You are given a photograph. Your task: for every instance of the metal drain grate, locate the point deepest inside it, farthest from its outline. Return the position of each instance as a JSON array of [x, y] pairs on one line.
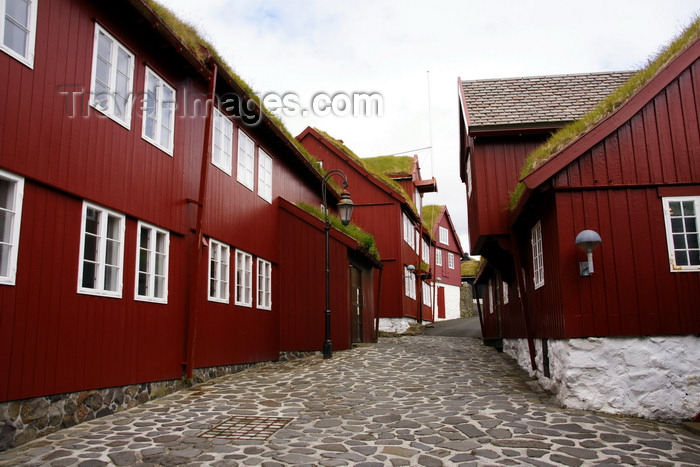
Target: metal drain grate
[[257, 428]]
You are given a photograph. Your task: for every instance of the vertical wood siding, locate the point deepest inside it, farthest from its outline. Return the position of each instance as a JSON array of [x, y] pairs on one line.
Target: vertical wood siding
[[613, 189]]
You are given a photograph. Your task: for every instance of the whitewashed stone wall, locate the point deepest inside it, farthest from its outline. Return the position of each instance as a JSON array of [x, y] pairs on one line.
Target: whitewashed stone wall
[[397, 325], [651, 377], [452, 302]]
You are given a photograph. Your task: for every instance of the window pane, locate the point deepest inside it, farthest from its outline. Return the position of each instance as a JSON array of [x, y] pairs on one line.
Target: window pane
[[16, 38], [5, 226], [111, 278], [143, 284], [112, 253], [691, 224], [681, 258], [688, 208], [677, 224], [89, 279], [675, 208], [113, 227], [692, 240], [18, 10], [159, 284], [679, 241], [91, 247], [694, 257]]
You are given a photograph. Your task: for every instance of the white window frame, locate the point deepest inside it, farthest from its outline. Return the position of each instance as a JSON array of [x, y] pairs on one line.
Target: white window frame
[[265, 175], [427, 296], [222, 142], [219, 267], [13, 213], [425, 252], [30, 28], [101, 251], [109, 108], [244, 279], [537, 256], [409, 283], [451, 260], [408, 231], [505, 292], [163, 113], [264, 288], [246, 160], [438, 257], [157, 263], [469, 176], [686, 233], [444, 235]]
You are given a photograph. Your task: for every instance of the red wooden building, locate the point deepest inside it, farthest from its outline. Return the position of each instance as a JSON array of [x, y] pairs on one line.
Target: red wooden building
[[446, 259], [617, 333], [146, 215], [387, 192]]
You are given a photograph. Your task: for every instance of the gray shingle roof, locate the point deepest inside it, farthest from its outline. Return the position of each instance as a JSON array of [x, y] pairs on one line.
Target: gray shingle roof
[[537, 99]]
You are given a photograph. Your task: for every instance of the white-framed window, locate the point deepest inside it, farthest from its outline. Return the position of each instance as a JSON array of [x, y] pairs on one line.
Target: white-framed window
[[219, 256], [11, 195], [101, 251], [427, 296], [265, 176], [425, 252], [158, 112], [246, 159], [112, 78], [18, 29], [264, 284], [537, 259], [409, 283], [223, 142], [451, 260], [682, 219], [244, 279], [152, 255], [492, 298], [469, 176], [444, 236], [408, 231], [438, 257], [505, 293]]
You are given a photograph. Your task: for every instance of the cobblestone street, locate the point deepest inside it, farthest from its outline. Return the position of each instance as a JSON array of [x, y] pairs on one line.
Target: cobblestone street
[[419, 401]]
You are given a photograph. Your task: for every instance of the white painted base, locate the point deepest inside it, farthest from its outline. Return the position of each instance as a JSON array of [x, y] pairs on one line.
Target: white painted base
[[452, 300], [397, 325], [651, 377]]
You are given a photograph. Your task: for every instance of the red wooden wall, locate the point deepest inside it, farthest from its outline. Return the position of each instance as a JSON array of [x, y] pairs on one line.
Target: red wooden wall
[[615, 188], [55, 340], [495, 168]]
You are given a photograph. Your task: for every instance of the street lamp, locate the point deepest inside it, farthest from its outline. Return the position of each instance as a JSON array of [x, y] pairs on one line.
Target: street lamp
[[345, 206]]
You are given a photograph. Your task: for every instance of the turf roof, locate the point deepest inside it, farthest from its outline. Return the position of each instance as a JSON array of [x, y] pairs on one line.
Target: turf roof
[[201, 48], [431, 213], [574, 130]]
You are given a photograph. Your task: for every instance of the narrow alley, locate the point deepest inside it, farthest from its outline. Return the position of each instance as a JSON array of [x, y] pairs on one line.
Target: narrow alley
[[419, 401]]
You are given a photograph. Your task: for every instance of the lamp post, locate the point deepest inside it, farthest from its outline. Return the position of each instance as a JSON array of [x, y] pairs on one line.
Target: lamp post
[[345, 206]]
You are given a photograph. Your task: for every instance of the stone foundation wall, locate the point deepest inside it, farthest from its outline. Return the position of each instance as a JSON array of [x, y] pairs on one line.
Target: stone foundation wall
[[395, 325], [22, 421], [466, 301], [651, 377]]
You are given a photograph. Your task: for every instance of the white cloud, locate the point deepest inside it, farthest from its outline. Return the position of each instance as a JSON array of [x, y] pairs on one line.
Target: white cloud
[[388, 47]]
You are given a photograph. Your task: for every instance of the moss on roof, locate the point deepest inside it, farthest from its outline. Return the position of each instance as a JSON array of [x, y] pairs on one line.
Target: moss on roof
[[430, 215], [194, 41], [574, 130], [364, 239], [383, 177], [471, 267], [391, 165]]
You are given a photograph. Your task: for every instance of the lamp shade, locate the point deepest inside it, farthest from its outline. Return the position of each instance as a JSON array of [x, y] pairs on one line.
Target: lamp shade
[[588, 239], [345, 207]]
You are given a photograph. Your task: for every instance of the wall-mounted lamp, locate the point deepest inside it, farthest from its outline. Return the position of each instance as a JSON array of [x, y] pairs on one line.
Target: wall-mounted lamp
[[587, 240], [410, 268]]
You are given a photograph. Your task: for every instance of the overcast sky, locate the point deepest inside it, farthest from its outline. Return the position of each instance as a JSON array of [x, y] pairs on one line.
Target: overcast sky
[[413, 52]]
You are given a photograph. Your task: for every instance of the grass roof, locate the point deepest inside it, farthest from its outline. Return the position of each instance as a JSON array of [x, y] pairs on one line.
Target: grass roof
[[364, 239], [430, 215], [391, 165], [200, 47], [574, 130], [364, 162], [471, 267]]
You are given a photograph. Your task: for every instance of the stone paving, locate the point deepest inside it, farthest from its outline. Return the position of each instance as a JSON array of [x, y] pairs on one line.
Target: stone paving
[[415, 401]]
